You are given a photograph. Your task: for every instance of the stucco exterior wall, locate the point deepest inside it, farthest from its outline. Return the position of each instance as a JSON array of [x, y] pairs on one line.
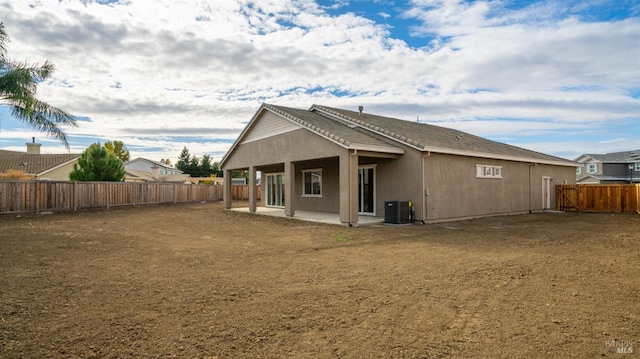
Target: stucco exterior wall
[[59, 174], [396, 179], [456, 192], [330, 200], [299, 145]]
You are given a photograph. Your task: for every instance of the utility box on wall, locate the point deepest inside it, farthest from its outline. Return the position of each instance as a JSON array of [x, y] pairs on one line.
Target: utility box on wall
[[397, 212]]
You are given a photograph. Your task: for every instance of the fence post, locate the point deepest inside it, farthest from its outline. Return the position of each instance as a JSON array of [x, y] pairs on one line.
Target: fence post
[[37, 197]]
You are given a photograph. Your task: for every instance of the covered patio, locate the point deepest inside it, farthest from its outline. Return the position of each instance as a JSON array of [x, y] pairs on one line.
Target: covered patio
[[310, 216]]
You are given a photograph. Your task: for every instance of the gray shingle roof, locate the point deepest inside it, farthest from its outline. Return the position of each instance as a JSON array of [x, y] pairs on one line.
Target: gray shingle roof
[[31, 163], [336, 131], [385, 134], [427, 137], [616, 157], [606, 178]]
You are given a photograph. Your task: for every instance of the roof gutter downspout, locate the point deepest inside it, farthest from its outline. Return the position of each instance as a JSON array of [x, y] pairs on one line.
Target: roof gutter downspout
[[530, 208], [353, 204], [425, 192]]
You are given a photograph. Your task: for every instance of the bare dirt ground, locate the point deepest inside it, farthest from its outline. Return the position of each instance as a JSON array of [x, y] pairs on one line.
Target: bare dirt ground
[[195, 281]]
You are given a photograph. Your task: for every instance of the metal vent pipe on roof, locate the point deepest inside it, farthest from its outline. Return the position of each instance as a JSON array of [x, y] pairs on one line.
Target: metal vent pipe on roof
[[360, 108]]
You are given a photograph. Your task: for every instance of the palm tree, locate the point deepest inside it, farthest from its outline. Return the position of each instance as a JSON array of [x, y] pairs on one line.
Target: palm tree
[[18, 83]]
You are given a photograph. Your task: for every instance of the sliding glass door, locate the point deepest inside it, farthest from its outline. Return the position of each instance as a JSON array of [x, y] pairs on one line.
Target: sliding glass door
[[367, 190], [275, 190]]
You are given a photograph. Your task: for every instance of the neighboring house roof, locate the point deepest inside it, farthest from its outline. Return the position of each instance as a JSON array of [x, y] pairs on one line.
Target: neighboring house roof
[[139, 176], [604, 178], [33, 164], [356, 130], [157, 164], [613, 157], [142, 176]]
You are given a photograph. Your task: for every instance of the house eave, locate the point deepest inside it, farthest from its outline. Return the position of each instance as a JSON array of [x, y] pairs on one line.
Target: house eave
[[376, 149], [450, 151]]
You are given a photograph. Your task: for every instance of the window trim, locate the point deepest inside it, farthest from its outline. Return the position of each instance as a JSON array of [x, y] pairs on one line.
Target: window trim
[[595, 168], [637, 167], [579, 170], [318, 171], [488, 171]]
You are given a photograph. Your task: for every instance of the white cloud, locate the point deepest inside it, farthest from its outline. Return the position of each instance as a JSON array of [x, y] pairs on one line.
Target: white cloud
[[143, 70]]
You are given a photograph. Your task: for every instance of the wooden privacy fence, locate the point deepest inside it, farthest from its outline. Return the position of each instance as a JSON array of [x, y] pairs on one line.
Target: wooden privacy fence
[[596, 197], [36, 196]]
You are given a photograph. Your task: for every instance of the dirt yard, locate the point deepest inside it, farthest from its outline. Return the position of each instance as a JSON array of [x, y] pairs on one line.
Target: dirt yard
[[195, 281]]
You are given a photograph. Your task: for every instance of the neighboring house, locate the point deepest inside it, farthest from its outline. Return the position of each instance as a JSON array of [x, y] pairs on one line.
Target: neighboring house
[[143, 176], [144, 170], [218, 181], [353, 163], [53, 167], [616, 167], [145, 165]]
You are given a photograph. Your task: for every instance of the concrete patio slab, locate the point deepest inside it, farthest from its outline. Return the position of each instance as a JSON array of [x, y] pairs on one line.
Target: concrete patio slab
[[310, 216]]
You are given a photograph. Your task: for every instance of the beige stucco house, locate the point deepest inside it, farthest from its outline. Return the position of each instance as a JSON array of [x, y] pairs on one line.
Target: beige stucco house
[[357, 164], [52, 167]]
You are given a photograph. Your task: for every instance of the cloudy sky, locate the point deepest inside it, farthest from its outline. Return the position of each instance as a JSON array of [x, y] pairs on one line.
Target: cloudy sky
[[558, 76]]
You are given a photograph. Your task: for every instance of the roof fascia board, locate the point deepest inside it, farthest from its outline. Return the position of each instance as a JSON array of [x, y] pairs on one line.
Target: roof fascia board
[[377, 154], [373, 148], [449, 151]]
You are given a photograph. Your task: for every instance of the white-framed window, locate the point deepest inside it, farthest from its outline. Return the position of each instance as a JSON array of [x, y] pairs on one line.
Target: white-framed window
[[592, 167], [312, 186], [578, 170], [637, 166], [486, 171]]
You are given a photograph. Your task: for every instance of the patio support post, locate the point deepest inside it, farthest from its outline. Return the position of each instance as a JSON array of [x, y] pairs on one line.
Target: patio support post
[[349, 188], [289, 188], [354, 189], [227, 189], [252, 189], [344, 188]]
